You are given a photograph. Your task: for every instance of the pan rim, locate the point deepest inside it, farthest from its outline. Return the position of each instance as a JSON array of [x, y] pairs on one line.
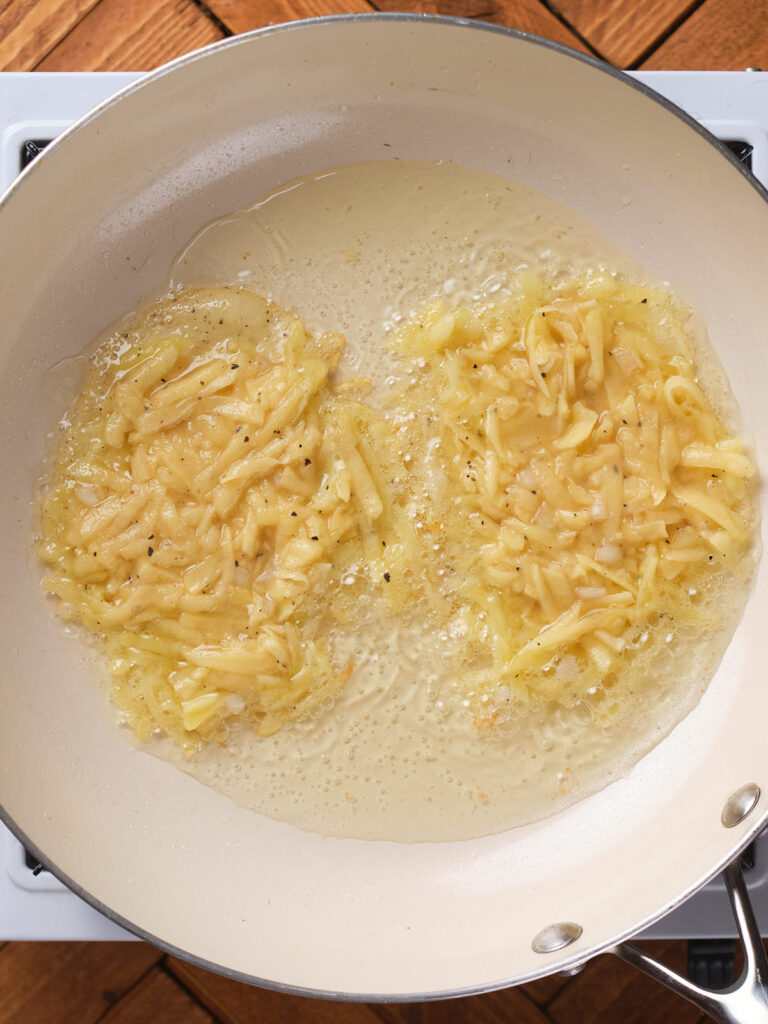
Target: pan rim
[[548, 968], [383, 16], [576, 960]]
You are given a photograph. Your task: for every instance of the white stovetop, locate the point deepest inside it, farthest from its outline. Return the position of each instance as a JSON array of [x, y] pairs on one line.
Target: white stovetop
[[732, 105]]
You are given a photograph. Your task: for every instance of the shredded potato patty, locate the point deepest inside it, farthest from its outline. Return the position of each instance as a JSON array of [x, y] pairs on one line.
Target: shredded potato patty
[[593, 496], [548, 483], [208, 482]]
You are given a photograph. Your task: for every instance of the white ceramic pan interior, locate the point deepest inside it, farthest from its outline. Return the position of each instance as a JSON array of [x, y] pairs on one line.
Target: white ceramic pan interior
[[92, 228]]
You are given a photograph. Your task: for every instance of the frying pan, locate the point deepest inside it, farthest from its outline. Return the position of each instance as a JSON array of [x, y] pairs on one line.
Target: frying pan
[[110, 204]]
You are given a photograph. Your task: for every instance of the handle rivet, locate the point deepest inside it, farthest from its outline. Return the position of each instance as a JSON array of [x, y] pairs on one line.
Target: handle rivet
[[556, 936], [740, 804]]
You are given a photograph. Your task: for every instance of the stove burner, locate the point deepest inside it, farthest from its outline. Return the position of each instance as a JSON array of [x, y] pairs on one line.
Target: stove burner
[[741, 150], [30, 149], [34, 147], [33, 863]]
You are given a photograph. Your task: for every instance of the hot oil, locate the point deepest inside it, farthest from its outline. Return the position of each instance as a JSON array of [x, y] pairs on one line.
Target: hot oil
[[361, 248], [399, 755], [402, 754]]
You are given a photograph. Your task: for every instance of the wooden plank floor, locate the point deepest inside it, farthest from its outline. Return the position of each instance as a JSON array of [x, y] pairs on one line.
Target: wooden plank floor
[[132, 983], [121, 983]]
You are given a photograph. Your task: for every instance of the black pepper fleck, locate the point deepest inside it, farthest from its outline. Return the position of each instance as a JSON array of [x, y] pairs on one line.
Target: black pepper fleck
[[150, 551], [387, 577]]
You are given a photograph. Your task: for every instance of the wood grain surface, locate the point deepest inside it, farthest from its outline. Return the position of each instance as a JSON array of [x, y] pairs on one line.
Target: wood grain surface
[[157, 999], [526, 15], [136, 35], [29, 29], [720, 35], [235, 1003], [132, 983], [623, 33], [48, 983], [244, 15], [132, 34]]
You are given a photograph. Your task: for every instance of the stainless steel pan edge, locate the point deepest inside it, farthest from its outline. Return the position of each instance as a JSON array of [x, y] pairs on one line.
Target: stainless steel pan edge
[[560, 961]]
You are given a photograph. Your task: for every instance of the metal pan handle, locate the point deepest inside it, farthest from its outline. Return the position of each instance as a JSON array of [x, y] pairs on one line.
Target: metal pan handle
[[746, 1001]]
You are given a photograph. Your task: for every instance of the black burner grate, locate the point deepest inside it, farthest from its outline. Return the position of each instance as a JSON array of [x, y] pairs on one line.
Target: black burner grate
[[33, 863], [30, 149], [741, 150]]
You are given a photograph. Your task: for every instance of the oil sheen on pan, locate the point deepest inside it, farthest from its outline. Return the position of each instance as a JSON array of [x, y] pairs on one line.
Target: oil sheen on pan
[[428, 506]]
